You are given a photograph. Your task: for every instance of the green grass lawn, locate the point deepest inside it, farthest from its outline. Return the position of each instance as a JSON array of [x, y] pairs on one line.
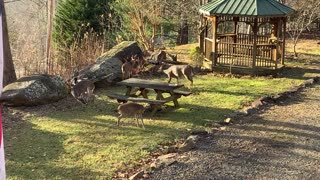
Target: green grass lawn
[[84, 141]]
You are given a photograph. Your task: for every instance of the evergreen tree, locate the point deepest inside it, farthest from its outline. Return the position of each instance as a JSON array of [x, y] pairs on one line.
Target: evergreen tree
[[75, 18]]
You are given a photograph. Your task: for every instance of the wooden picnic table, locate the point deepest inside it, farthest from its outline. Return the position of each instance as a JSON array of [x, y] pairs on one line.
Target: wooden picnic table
[[139, 87]]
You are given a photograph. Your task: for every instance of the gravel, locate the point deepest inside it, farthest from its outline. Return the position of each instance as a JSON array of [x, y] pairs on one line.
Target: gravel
[[280, 142]]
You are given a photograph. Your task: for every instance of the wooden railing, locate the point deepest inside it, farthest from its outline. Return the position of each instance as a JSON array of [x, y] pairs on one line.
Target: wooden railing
[[248, 39], [242, 54]]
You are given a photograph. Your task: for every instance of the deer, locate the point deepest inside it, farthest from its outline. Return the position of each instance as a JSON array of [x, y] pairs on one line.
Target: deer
[[179, 71], [137, 64], [126, 70], [134, 66], [131, 109], [83, 90]]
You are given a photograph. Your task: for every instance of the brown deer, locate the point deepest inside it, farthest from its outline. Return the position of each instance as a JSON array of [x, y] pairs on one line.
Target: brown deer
[[131, 109], [138, 64], [132, 67], [126, 70], [83, 90], [178, 71]]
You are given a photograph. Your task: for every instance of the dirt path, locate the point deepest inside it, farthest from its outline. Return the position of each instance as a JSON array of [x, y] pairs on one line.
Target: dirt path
[[282, 142]]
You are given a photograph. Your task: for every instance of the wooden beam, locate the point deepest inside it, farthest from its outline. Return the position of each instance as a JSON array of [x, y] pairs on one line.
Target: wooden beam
[[254, 50], [284, 40], [214, 41]]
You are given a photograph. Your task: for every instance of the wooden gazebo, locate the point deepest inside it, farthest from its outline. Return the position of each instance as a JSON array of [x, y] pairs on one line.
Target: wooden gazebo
[[244, 35]]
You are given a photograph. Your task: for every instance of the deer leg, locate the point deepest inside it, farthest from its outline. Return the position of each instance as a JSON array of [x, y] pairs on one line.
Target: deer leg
[[137, 120], [83, 99], [119, 118], [169, 79], [142, 121], [190, 79]]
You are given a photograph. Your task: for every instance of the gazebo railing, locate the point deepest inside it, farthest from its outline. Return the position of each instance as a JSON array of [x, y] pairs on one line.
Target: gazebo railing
[[237, 54], [248, 38], [242, 38], [242, 54]]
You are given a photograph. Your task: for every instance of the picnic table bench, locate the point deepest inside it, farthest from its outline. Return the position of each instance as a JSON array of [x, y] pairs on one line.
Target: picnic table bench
[[141, 87]]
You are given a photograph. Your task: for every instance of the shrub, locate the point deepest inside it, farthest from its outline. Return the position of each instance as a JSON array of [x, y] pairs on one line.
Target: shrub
[[196, 57]]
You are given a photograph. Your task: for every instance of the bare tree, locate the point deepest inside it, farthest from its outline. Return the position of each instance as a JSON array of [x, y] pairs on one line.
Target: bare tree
[[27, 22], [49, 34], [306, 13], [186, 17], [139, 16]]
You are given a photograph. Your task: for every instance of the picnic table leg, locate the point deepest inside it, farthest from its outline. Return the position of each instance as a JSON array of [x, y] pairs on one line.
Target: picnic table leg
[[159, 95], [175, 99], [154, 108], [144, 93], [129, 88]]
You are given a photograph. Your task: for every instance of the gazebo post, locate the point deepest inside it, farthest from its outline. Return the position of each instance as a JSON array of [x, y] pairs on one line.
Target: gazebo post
[[235, 36], [214, 41], [235, 19], [275, 39], [283, 39], [202, 34], [254, 48]]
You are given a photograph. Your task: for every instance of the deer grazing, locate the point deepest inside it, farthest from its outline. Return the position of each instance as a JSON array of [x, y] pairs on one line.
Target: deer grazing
[[131, 109], [179, 71], [82, 90]]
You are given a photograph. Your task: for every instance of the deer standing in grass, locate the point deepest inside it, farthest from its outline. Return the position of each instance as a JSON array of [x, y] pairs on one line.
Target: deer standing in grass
[[83, 90], [179, 71], [131, 109]]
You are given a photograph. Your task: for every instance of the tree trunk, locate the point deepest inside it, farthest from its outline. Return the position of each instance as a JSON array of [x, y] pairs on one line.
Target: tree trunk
[[49, 35], [294, 49], [183, 32], [9, 74]]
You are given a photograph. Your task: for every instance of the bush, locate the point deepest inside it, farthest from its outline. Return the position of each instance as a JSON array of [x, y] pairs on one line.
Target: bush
[[196, 57]]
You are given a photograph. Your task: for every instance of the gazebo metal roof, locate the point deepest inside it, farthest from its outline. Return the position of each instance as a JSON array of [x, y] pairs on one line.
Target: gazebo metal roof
[[260, 8]]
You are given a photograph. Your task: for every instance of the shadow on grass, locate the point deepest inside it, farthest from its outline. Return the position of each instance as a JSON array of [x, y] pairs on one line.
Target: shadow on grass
[[299, 73], [30, 154], [194, 114]]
